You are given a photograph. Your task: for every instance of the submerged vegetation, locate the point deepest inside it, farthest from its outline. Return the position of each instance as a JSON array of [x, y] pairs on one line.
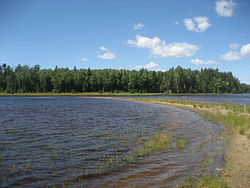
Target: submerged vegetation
[[25, 79], [159, 142]]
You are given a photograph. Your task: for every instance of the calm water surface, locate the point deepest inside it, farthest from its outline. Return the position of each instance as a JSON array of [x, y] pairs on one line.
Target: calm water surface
[[46, 141]]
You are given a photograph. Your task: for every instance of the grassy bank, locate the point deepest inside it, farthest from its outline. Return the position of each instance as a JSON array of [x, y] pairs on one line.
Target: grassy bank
[[77, 94], [106, 93], [237, 120]]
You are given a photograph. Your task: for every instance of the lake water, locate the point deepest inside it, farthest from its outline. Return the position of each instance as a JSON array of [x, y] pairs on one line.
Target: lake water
[[240, 99], [46, 141]]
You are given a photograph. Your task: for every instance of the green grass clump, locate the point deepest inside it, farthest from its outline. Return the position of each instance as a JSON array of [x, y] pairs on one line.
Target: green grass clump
[[206, 162], [159, 142], [129, 159], [108, 161], [138, 152], [181, 144], [189, 181], [211, 182], [204, 182], [248, 136], [242, 130]]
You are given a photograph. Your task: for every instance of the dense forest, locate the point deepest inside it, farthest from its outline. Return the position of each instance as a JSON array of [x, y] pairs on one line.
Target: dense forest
[[176, 80]]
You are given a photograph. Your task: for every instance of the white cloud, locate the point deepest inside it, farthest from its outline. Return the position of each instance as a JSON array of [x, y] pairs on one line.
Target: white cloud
[[103, 48], [182, 49], [245, 50], [231, 56], [161, 49], [107, 55], [201, 62], [144, 42], [176, 23], [84, 59], [138, 26], [225, 7], [234, 46], [235, 55], [150, 65], [197, 24]]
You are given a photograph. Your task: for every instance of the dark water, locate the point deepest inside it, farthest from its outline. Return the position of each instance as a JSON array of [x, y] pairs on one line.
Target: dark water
[[47, 141], [241, 99]]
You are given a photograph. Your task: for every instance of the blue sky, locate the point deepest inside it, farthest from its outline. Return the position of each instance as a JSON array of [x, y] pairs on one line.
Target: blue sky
[[131, 34]]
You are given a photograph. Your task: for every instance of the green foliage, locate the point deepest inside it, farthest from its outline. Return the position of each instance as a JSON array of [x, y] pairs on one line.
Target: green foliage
[[211, 182], [138, 152], [181, 144], [63, 80], [204, 182], [128, 159], [108, 161], [206, 162], [189, 181], [242, 130], [159, 142]]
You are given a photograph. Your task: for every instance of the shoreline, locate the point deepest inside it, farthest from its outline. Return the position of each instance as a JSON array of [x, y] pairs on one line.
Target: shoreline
[[236, 173], [112, 94]]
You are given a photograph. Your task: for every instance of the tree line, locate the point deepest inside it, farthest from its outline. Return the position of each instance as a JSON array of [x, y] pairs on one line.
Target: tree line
[[176, 80]]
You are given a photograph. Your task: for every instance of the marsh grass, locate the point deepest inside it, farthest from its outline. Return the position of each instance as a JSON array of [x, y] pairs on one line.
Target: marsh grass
[[242, 130], [181, 144], [108, 161], [206, 181], [159, 142], [129, 159], [188, 182], [211, 182], [206, 162]]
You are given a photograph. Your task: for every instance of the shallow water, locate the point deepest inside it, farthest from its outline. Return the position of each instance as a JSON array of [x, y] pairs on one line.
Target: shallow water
[[47, 141]]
